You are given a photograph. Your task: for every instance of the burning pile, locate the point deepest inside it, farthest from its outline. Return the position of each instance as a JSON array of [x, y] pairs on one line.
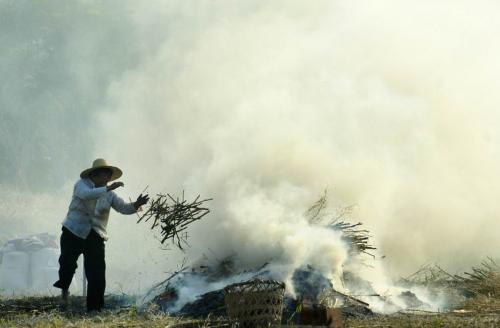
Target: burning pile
[[314, 293], [310, 288], [198, 291]]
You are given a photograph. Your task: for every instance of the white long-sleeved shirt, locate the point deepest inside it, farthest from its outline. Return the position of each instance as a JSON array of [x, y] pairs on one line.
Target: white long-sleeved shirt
[[89, 209]]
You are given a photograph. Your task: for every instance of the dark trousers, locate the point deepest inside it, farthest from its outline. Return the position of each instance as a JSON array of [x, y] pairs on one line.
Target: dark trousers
[[92, 249]]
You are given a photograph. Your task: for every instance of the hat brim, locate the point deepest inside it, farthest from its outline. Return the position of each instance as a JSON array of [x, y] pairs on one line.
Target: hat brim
[[116, 172]]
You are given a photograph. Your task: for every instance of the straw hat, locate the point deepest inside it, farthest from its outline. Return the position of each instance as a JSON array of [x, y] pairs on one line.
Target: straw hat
[[101, 164]]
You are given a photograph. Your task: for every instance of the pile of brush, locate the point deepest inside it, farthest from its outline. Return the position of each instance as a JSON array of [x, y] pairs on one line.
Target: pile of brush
[[357, 238], [482, 283], [482, 280], [477, 289], [430, 276]]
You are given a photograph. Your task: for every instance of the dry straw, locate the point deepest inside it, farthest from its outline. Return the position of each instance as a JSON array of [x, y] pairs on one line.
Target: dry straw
[[173, 216]]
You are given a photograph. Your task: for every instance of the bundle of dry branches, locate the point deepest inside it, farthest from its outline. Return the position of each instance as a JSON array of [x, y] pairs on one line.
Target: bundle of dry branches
[[430, 275], [173, 216], [482, 280], [358, 239]]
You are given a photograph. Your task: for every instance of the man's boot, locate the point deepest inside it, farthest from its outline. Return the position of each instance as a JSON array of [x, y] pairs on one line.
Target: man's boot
[[64, 299]]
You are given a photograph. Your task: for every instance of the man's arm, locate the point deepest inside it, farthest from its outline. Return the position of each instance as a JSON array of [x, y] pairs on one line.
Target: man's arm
[[121, 206], [85, 192]]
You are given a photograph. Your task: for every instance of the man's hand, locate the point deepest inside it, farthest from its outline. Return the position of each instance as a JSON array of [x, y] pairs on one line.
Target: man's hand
[[115, 185], [141, 200]]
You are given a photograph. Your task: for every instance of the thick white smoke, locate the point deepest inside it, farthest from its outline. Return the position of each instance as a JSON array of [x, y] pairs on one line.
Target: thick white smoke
[[262, 105], [391, 105]]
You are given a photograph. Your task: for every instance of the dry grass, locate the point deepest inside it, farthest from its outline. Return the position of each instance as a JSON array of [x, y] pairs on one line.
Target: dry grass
[[43, 312], [56, 319], [482, 310], [483, 304], [109, 318], [420, 321], [483, 280], [131, 319]]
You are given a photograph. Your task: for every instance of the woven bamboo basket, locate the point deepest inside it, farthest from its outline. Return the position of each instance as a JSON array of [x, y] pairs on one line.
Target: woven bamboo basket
[[255, 303]]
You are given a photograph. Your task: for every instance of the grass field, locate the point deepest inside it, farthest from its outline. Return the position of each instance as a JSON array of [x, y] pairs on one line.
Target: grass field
[[482, 310], [43, 312], [131, 319]]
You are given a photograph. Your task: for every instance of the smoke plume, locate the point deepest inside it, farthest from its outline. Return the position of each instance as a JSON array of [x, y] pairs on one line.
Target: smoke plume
[[390, 105]]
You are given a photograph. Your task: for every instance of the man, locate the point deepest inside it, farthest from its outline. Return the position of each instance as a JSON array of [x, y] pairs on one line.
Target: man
[[84, 229]]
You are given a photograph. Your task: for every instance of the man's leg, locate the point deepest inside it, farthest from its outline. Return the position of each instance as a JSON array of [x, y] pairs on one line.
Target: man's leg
[[95, 269], [71, 248]]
